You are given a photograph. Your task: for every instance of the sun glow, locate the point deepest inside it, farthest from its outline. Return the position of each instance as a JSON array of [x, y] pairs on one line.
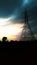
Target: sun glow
[[11, 31]]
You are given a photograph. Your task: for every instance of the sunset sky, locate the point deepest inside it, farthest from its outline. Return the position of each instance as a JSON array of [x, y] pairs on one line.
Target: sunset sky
[[10, 30], [12, 17]]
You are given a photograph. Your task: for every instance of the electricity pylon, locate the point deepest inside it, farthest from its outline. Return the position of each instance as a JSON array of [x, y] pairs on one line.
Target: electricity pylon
[[27, 33]]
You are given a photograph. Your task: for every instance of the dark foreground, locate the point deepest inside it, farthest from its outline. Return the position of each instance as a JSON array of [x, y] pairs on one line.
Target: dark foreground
[[21, 52], [20, 44]]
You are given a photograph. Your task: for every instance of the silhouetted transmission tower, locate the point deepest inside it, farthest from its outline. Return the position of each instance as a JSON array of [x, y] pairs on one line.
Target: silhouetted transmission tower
[[27, 33]]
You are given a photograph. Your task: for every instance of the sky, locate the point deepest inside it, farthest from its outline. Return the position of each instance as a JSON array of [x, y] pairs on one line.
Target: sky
[[11, 11]]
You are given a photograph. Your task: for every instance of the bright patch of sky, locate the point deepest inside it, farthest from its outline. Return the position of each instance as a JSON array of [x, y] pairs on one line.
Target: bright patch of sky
[[26, 3]]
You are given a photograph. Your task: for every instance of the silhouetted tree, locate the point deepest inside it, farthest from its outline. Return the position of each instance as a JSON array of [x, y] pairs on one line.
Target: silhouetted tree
[[4, 39]]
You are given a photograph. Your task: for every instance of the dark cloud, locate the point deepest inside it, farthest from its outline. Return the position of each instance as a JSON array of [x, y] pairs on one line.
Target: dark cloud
[[33, 18], [7, 7]]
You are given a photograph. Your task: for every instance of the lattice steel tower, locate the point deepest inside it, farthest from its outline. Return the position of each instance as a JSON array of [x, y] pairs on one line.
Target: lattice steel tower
[[27, 33]]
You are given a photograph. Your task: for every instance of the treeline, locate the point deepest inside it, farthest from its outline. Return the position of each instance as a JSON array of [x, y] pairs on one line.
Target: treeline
[[6, 42]]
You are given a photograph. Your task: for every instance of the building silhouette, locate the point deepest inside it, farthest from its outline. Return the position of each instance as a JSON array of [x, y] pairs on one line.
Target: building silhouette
[[27, 33]]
